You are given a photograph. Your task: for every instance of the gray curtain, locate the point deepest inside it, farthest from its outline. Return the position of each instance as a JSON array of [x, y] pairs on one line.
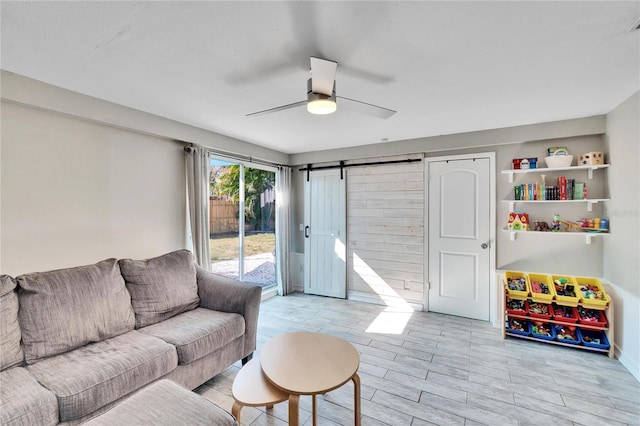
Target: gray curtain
[[197, 169], [283, 227]]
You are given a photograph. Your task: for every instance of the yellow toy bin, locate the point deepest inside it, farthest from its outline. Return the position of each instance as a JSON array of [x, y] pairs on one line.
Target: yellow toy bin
[[593, 296], [562, 281], [539, 296], [517, 285]]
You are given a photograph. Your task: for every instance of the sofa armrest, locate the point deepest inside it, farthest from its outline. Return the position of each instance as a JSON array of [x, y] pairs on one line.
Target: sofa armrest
[[224, 294]]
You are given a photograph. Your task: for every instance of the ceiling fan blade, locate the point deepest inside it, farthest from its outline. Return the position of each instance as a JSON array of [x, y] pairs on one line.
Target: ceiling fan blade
[[365, 108], [276, 109], [323, 76]]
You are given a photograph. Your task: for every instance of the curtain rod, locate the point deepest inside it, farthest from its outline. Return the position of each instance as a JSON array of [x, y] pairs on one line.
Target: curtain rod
[[342, 165], [233, 157]]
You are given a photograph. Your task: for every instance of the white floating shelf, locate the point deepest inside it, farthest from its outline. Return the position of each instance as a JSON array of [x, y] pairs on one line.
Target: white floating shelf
[[589, 170], [588, 236], [590, 202]]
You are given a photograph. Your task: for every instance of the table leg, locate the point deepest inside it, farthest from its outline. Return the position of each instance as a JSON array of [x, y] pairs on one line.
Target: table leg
[[235, 410], [294, 410], [356, 398], [313, 410]]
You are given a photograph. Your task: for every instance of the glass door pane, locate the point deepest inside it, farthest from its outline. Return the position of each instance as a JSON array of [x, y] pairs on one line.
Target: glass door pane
[[259, 226], [224, 210], [244, 251]]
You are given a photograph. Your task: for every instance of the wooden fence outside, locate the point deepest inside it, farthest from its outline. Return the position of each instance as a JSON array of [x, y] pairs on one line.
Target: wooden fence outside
[[223, 216]]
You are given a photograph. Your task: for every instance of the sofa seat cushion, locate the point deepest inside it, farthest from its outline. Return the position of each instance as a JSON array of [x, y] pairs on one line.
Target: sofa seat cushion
[[197, 333], [68, 308], [90, 377], [11, 353], [23, 401], [161, 287]]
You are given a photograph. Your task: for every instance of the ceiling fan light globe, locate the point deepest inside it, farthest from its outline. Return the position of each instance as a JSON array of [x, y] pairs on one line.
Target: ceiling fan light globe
[[321, 106]]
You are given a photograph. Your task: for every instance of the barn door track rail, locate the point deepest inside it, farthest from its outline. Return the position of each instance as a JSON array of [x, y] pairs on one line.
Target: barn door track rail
[[309, 168]]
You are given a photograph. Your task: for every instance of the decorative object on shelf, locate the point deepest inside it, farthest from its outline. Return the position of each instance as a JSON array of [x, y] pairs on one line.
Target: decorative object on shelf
[[525, 163], [518, 221], [558, 157], [591, 158], [540, 225], [555, 224], [595, 224], [572, 226]]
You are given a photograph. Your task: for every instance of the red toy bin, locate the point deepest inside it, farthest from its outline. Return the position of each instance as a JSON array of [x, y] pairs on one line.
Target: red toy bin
[[592, 317], [513, 310], [565, 314], [540, 310]]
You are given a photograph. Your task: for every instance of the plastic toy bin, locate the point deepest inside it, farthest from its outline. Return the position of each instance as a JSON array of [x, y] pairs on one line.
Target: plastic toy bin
[[567, 334], [593, 339], [512, 326], [540, 310], [592, 317], [517, 285], [542, 330], [565, 314], [562, 284], [591, 293], [513, 307], [537, 284]]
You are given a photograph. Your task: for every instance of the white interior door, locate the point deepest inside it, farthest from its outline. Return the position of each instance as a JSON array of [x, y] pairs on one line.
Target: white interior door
[[459, 237], [325, 249]]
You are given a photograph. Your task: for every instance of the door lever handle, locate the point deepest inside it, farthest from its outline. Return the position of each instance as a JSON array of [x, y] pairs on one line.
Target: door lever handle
[[306, 231]]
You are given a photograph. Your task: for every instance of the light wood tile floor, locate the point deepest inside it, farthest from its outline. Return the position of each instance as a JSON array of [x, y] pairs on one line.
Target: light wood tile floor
[[443, 370]]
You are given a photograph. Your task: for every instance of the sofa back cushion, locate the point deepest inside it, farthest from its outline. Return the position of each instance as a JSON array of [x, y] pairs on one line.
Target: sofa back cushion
[[68, 308], [11, 352], [161, 287]]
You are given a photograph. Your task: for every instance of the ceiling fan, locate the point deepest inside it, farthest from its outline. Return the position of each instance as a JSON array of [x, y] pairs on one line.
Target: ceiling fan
[[321, 94]]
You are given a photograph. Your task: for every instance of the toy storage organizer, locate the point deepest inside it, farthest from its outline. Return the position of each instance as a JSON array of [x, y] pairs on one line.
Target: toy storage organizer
[[539, 307]]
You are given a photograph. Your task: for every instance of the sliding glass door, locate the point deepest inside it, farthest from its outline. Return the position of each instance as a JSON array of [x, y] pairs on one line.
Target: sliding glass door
[[242, 221]]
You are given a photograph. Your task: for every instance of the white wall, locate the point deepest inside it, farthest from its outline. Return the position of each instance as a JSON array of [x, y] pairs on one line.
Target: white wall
[[76, 192], [385, 237], [83, 179], [622, 248]]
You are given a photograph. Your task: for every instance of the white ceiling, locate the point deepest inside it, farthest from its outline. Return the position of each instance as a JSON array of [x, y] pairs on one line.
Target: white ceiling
[[446, 67]]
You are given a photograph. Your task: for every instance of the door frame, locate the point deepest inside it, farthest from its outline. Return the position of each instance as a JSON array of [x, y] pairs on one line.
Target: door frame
[[494, 317]]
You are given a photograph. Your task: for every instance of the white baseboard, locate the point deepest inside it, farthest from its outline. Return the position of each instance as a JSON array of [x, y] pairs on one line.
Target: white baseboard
[[359, 296]]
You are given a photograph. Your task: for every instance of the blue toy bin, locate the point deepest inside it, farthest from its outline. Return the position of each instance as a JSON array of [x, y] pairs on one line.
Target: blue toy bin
[[527, 326], [593, 334], [558, 330], [551, 328]]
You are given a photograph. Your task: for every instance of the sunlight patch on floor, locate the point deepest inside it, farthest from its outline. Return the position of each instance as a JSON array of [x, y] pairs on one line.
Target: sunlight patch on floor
[[396, 315]]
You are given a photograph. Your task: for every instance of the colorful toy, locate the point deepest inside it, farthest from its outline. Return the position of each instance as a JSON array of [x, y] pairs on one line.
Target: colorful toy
[[539, 308], [566, 332], [555, 224], [541, 226], [541, 329], [518, 221], [592, 292], [517, 284], [563, 288], [538, 287], [515, 305]]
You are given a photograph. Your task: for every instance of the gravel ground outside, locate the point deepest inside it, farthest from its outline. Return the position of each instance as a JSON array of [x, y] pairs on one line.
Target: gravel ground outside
[[258, 269]]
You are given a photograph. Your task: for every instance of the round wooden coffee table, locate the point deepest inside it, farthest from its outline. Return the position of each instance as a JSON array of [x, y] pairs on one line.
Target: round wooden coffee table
[[304, 363]]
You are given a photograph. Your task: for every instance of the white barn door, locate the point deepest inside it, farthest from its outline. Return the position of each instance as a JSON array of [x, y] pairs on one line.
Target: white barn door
[[325, 234], [459, 241]]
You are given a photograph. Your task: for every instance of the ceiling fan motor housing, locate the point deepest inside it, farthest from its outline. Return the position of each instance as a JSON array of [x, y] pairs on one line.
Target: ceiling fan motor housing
[[319, 103]]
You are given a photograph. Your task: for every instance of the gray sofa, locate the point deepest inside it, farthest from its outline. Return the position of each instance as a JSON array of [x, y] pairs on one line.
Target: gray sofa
[[75, 342]]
